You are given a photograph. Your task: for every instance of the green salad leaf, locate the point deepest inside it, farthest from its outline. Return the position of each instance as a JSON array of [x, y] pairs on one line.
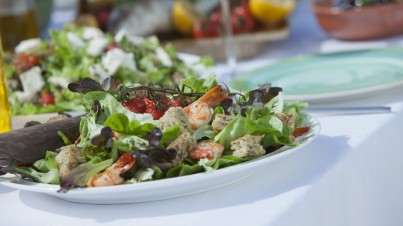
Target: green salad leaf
[[43, 171]]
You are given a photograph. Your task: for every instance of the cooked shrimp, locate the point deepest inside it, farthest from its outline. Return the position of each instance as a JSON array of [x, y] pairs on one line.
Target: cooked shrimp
[[200, 112], [208, 150], [112, 175]]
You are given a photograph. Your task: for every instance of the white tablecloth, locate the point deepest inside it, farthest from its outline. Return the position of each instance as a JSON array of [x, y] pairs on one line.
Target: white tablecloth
[[350, 175]]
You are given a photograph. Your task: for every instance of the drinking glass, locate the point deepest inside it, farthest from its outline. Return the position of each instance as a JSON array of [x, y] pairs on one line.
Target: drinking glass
[[17, 22], [5, 114], [230, 67]]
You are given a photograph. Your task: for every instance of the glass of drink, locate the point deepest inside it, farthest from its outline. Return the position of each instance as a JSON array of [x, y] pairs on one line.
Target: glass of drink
[[228, 35], [17, 22], [5, 113]]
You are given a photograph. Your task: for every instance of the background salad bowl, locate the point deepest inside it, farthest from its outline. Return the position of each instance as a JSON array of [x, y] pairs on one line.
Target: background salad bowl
[[166, 188], [359, 23]]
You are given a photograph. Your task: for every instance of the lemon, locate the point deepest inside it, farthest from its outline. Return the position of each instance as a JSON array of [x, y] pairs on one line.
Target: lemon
[[271, 11], [184, 16]]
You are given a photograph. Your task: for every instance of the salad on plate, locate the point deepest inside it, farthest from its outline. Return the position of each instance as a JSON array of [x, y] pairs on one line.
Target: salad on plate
[[136, 133], [39, 71]]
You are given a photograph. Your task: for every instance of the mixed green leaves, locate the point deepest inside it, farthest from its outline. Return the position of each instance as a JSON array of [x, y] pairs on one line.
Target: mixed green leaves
[[43, 171], [66, 58]]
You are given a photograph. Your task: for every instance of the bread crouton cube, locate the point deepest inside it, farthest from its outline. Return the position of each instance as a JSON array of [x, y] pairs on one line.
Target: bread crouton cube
[[247, 145], [288, 119], [183, 145], [220, 121], [174, 116], [68, 159]]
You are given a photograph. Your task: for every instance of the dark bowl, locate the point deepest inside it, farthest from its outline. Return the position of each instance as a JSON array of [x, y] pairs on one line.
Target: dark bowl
[[359, 23]]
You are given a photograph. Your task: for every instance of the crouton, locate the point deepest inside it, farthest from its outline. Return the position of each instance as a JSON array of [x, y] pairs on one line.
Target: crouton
[[174, 116], [220, 121], [183, 145], [247, 145], [288, 119], [68, 159]]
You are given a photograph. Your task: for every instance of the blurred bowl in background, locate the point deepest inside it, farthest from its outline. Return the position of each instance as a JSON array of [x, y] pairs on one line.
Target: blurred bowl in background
[[359, 23]]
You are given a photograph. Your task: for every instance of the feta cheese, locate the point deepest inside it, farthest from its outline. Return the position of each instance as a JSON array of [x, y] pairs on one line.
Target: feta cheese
[[58, 81], [98, 71], [75, 40], [116, 58], [32, 80], [143, 175], [27, 44], [97, 46], [92, 33], [23, 97], [163, 57], [122, 33]]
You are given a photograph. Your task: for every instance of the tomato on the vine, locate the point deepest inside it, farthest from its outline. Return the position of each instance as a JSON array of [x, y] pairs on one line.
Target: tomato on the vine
[[150, 105], [177, 102], [157, 114], [136, 105]]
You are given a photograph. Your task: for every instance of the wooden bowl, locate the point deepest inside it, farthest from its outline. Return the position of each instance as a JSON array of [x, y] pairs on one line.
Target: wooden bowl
[[246, 45], [359, 23]]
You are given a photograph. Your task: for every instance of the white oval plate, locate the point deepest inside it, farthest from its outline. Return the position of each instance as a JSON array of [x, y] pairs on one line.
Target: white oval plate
[[166, 188]]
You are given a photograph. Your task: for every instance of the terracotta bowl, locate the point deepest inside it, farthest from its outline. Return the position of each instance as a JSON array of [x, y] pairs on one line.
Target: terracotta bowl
[[360, 23]]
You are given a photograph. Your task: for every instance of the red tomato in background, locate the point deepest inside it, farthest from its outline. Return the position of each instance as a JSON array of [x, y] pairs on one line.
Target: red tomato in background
[[206, 28], [136, 105], [47, 98], [241, 19]]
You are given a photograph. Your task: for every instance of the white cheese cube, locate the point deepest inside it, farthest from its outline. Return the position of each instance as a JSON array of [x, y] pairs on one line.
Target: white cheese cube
[[98, 71], [97, 46], [164, 57], [116, 58], [58, 81], [27, 44], [91, 33], [32, 80]]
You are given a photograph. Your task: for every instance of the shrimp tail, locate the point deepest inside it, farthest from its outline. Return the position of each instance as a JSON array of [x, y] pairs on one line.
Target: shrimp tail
[[213, 97], [125, 162]]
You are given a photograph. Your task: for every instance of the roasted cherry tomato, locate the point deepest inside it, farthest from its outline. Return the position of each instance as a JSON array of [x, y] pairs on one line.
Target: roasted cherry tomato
[[25, 61], [150, 105], [136, 105], [157, 114], [177, 102], [47, 98]]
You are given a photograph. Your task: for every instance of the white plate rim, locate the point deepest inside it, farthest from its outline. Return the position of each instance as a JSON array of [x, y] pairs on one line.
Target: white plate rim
[[250, 166]]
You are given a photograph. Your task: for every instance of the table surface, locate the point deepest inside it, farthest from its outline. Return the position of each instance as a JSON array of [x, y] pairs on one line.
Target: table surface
[[349, 175]]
